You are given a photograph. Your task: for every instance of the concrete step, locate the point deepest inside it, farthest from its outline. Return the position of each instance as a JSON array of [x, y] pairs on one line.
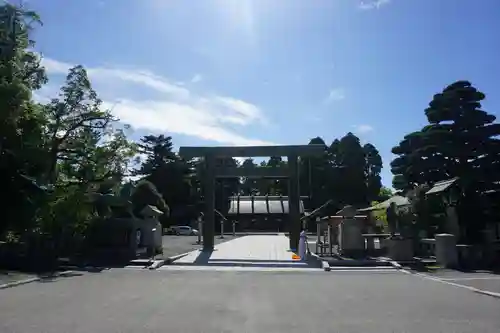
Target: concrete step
[[141, 262], [358, 263], [361, 268], [250, 263], [239, 269]]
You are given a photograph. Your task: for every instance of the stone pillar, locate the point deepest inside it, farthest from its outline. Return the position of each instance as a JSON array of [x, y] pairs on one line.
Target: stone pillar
[[370, 244], [351, 238], [209, 182], [294, 201], [452, 225], [446, 250], [132, 243]]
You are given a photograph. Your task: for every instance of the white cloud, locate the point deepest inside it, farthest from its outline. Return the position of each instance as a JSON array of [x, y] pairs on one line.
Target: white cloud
[[179, 110], [363, 129], [373, 4], [196, 78], [336, 94], [142, 77]]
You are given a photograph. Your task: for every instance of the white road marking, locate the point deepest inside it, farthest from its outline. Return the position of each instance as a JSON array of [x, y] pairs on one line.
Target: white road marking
[[472, 278], [432, 278]]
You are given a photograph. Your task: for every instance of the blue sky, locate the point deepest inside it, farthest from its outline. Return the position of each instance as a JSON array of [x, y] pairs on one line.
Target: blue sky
[[242, 72]]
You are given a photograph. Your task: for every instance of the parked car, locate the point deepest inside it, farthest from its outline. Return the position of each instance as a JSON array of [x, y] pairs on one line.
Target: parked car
[[182, 230]]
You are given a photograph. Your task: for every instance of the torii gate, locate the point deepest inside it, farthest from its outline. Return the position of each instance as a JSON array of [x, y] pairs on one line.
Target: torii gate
[[210, 154]]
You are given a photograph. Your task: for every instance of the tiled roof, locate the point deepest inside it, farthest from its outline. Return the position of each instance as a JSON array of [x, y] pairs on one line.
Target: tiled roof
[[260, 205]]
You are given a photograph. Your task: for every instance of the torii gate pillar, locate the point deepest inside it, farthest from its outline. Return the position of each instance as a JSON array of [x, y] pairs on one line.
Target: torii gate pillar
[[211, 173]]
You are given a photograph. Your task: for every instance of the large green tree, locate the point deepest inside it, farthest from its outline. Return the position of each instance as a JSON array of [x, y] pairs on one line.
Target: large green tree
[[226, 187], [315, 176], [353, 177], [20, 120], [81, 142], [460, 141], [373, 168], [272, 186], [249, 185], [167, 171], [84, 147]]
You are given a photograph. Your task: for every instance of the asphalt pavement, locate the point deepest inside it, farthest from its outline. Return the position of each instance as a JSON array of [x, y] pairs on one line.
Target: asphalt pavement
[[13, 276], [174, 245], [121, 300], [483, 280]]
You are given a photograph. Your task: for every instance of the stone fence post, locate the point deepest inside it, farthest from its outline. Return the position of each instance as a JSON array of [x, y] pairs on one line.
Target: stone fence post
[[446, 250]]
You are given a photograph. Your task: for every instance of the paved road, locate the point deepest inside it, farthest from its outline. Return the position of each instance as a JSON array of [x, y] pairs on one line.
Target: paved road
[[482, 280], [121, 300], [174, 245], [12, 276]]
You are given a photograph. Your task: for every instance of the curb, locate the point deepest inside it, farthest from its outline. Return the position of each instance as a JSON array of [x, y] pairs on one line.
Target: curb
[[396, 265], [38, 278], [324, 264], [158, 263]]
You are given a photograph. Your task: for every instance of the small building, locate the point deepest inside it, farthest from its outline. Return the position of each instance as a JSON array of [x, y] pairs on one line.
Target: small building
[[261, 213]]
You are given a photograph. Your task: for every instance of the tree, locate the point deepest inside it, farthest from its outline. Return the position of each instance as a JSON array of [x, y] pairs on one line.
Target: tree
[[76, 127], [170, 174], [82, 149], [314, 173], [145, 193], [384, 194], [373, 167], [158, 151], [352, 180], [460, 141], [335, 176], [20, 71], [249, 184], [20, 120], [272, 186], [225, 187]]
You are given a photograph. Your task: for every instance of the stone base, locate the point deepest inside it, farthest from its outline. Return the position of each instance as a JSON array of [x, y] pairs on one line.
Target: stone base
[[400, 249]]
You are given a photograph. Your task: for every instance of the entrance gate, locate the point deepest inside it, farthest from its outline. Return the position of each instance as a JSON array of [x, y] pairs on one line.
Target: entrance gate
[[211, 172]]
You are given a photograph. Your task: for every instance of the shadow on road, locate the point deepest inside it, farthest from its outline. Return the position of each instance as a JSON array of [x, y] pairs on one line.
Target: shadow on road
[[57, 277], [204, 259]]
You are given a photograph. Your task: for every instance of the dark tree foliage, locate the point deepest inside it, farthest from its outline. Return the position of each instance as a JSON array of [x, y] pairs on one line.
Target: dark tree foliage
[[145, 193], [167, 171], [347, 173], [461, 141]]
